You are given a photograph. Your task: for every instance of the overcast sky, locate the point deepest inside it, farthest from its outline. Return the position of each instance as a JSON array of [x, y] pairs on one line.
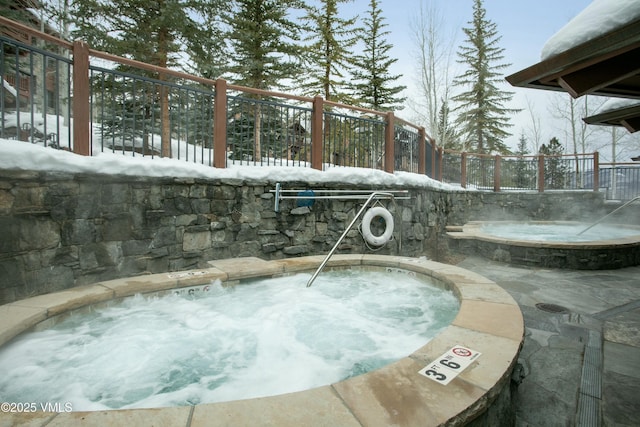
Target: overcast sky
[[525, 26]]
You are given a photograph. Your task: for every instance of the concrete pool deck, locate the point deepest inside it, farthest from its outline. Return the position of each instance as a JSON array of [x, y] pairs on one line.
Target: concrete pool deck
[[489, 321], [579, 367]]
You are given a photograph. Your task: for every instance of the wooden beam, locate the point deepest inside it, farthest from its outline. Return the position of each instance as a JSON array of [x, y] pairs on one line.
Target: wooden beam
[[220, 125], [626, 116], [80, 101], [389, 144], [422, 151], [631, 124], [317, 128], [602, 74], [546, 74]]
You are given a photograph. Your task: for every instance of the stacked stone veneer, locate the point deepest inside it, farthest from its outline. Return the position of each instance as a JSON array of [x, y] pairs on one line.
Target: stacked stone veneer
[[63, 230]]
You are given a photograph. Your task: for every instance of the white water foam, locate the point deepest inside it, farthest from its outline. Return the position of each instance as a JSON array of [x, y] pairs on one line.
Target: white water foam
[[265, 338]]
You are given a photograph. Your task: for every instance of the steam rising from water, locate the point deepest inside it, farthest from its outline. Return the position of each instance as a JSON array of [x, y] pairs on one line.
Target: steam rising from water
[[269, 337], [557, 232]]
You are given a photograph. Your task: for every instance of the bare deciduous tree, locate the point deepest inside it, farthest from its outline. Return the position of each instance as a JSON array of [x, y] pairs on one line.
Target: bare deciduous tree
[[534, 133], [579, 136], [615, 144], [433, 50]]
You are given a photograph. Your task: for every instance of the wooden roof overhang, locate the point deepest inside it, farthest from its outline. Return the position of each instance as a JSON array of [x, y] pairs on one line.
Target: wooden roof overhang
[[628, 117], [608, 65]]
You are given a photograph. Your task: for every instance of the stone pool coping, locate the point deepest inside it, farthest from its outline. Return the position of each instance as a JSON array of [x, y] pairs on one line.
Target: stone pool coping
[[489, 321]]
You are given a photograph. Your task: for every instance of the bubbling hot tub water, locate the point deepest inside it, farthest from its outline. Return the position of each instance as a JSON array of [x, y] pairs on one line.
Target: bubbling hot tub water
[[555, 244], [269, 337], [556, 232]]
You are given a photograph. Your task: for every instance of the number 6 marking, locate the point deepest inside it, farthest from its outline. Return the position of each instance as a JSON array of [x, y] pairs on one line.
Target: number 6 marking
[[451, 365]]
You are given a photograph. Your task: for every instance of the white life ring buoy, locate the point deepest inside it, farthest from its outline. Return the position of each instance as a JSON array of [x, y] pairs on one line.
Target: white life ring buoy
[[366, 226]]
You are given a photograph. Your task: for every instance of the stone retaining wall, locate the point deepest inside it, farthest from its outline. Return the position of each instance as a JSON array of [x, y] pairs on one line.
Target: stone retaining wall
[[65, 230]]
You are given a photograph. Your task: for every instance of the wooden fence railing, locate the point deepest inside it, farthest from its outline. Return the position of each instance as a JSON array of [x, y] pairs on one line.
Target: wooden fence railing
[[391, 156], [148, 109]]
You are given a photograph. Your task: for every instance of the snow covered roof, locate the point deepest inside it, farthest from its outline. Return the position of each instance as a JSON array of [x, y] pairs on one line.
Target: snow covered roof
[[600, 17], [608, 65], [596, 53], [618, 112]]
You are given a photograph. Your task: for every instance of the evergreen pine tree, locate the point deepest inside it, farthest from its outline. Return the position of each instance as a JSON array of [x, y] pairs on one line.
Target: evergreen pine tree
[[159, 33], [153, 32], [524, 176], [482, 115], [373, 85], [264, 55], [205, 39], [522, 146], [555, 169], [446, 134], [328, 53], [265, 49], [27, 67], [21, 11]]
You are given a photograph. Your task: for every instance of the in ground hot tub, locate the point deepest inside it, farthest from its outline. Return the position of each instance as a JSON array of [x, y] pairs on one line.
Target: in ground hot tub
[[426, 386], [550, 244]]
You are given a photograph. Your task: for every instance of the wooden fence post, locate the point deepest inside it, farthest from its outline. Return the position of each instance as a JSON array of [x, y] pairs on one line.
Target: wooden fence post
[[81, 108], [422, 151], [596, 171], [434, 165], [463, 169], [440, 152], [541, 173], [220, 125], [317, 121], [389, 144], [496, 173]]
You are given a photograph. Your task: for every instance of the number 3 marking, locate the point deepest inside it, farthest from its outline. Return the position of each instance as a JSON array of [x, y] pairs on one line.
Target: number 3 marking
[[438, 376]]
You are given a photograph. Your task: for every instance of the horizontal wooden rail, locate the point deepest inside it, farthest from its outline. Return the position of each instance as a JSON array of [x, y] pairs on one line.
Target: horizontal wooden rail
[[35, 33], [82, 55]]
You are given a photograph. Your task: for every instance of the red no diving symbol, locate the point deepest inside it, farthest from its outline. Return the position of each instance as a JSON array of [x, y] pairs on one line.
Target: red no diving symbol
[[462, 352]]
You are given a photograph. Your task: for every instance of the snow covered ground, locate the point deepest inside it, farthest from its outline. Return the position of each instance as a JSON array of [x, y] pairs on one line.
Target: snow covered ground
[[189, 161], [18, 155]]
